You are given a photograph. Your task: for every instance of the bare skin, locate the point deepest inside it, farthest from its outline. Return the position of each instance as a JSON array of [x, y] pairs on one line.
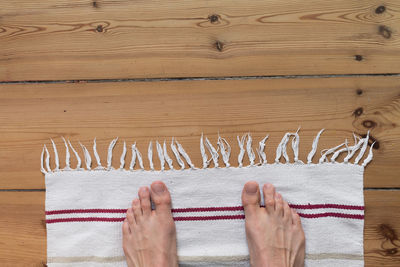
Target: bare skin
[[149, 236], [274, 234]]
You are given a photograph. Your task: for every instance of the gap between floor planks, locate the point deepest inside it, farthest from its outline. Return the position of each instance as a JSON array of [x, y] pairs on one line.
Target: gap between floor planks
[[205, 78]]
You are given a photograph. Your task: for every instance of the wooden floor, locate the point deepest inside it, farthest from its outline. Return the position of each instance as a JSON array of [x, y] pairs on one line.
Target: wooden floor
[[149, 70]]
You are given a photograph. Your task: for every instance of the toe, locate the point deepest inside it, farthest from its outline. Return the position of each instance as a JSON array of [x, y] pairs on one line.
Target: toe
[[287, 213], [269, 193], [296, 218], [251, 198], [161, 197], [278, 204], [144, 196], [136, 209], [125, 228], [130, 217]]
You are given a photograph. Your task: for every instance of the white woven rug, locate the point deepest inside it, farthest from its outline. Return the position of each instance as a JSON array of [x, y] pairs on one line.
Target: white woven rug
[[85, 207]]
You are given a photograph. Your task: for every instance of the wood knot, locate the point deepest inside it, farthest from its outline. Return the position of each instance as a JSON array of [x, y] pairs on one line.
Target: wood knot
[[385, 31], [391, 251], [95, 4], [213, 18], [358, 112], [369, 124], [358, 57], [387, 232], [380, 9], [219, 46], [99, 28], [359, 92]]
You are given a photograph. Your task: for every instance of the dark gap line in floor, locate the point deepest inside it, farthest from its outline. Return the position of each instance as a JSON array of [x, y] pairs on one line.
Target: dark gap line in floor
[[201, 78]]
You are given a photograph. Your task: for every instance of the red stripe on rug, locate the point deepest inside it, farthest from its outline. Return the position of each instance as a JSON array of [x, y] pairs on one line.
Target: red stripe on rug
[[326, 206], [206, 218], [205, 209], [332, 214], [210, 218], [52, 212]]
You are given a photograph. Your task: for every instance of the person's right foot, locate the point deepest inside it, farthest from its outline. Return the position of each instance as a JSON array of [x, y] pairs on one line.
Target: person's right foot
[[149, 236], [274, 234]]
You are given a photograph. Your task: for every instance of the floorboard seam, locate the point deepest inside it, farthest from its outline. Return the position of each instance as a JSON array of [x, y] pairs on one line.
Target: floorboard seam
[[201, 78], [381, 188], [22, 190]]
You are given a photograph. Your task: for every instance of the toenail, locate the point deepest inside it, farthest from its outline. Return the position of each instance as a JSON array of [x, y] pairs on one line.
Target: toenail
[[143, 190], [278, 196], [251, 188], [158, 188], [267, 186]]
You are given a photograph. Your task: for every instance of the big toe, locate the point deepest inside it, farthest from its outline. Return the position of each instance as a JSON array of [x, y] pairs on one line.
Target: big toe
[[161, 197], [251, 198]]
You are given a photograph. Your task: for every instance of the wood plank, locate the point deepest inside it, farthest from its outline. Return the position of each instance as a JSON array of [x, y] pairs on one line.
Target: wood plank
[[101, 39], [23, 233], [382, 228], [22, 229], [31, 114]]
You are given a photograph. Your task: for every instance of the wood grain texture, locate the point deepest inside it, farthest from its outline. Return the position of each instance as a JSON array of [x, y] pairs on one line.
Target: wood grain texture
[[382, 228], [22, 229], [102, 39], [31, 114], [23, 233]]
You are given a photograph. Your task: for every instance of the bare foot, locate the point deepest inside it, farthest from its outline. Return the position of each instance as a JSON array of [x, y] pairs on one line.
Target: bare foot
[[149, 236], [274, 234]]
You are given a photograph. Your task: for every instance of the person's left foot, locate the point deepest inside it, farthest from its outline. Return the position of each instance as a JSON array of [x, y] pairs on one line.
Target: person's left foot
[[149, 236]]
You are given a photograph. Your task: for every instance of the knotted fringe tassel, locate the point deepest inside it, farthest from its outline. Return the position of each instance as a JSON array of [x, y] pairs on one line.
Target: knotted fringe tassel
[[314, 147], [42, 161], [223, 147], [79, 163], [96, 155], [67, 156], [47, 160], [88, 158], [136, 154], [242, 151], [260, 151], [160, 155], [281, 149], [213, 152], [203, 153], [185, 155], [330, 151], [177, 156], [150, 155], [167, 158], [369, 157], [109, 154], [56, 160], [122, 159], [249, 149], [337, 152], [133, 160]]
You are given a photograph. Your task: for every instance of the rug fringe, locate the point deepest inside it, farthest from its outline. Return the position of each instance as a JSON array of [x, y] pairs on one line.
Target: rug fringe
[[223, 147]]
